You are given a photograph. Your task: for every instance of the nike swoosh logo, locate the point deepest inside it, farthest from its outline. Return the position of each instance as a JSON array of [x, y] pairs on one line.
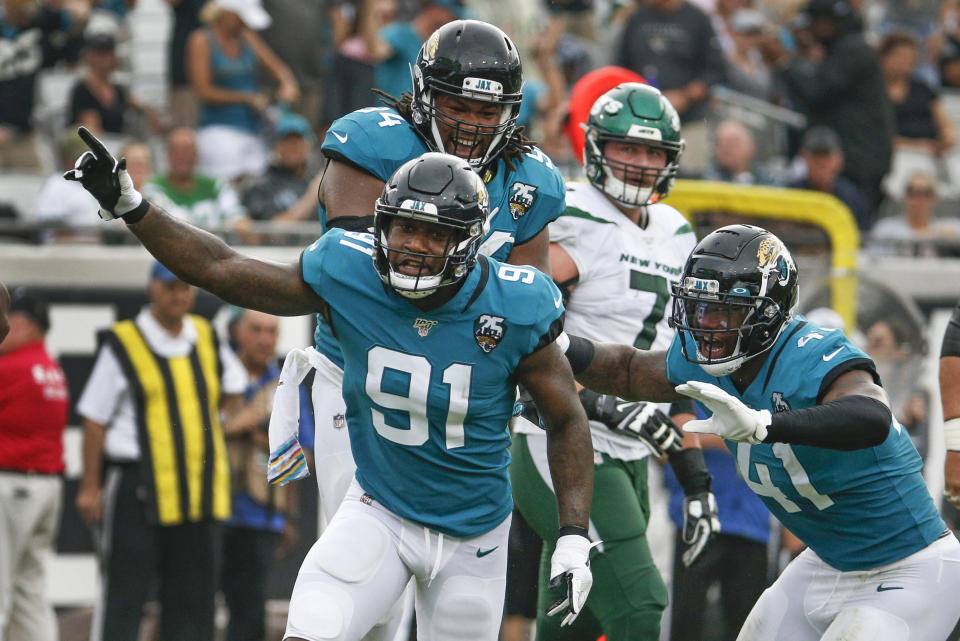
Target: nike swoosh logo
[[482, 553], [829, 357], [342, 139], [557, 301], [882, 588]]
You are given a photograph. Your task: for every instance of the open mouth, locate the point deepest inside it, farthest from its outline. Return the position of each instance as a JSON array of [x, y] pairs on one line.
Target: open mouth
[[713, 348], [464, 148], [411, 267]]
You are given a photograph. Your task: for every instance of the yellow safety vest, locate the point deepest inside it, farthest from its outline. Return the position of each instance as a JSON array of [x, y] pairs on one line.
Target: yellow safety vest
[[183, 454]]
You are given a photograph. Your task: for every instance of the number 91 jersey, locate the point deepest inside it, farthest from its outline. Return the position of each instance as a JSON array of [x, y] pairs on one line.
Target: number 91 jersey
[[522, 202], [856, 509], [429, 394]]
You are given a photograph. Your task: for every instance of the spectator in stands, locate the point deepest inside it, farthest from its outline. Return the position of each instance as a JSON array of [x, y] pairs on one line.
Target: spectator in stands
[[949, 62], [923, 126], [914, 231], [308, 52], [896, 364], [287, 177], [158, 379], [184, 192], [747, 71], [182, 101], [834, 76], [223, 61], [96, 101], [922, 19], [352, 80], [59, 203], [395, 46], [734, 152], [32, 36], [823, 162], [261, 513], [33, 413], [139, 162], [672, 44]]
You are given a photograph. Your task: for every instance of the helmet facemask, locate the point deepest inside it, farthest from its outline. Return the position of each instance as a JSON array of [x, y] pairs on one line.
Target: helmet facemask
[[484, 141], [630, 191], [741, 326], [454, 262]]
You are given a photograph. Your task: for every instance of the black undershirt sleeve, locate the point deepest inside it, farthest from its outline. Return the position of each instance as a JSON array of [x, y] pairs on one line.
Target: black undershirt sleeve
[[951, 337], [848, 423], [352, 223]]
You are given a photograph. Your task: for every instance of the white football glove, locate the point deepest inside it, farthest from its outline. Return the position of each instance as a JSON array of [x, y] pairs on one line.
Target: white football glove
[[700, 524], [570, 566], [731, 419]]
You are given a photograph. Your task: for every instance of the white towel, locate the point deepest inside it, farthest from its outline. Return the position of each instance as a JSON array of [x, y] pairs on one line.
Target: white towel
[[287, 461]]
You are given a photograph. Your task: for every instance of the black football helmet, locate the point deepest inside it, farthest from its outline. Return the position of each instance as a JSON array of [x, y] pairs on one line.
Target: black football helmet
[[736, 294], [475, 60], [440, 189]]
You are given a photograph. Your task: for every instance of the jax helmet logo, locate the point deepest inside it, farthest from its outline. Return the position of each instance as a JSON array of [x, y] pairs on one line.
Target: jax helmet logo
[[489, 330]]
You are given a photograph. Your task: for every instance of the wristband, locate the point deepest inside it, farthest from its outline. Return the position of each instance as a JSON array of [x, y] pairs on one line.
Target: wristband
[[691, 470], [137, 213], [951, 434], [574, 529], [579, 353]]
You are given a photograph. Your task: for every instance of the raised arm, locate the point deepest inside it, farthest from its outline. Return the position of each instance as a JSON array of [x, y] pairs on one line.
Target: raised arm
[[621, 370], [194, 255]]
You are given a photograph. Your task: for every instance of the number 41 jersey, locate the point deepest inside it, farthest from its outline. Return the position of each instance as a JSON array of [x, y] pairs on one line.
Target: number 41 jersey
[[857, 510], [429, 394]]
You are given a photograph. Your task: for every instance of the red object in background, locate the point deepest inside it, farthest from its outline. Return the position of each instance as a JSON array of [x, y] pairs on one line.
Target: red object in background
[[33, 411], [584, 93]]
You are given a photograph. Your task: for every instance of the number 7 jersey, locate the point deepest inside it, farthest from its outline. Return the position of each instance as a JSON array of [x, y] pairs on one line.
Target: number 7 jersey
[[858, 509], [429, 394]]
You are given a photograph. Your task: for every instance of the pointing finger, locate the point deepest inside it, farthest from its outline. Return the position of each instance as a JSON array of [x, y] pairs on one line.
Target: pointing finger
[[94, 143]]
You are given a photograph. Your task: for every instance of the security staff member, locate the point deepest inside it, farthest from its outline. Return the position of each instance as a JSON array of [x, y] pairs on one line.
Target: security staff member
[[155, 470]]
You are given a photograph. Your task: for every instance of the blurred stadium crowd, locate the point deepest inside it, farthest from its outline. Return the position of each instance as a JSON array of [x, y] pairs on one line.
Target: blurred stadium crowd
[[220, 106]]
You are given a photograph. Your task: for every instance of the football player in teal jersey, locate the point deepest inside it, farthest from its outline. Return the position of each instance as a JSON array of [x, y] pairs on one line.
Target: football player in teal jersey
[[435, 339], [802, 410], [464, 99]]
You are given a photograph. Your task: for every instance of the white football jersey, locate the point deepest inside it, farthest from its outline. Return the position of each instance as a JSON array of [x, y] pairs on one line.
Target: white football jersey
[[626, 278]]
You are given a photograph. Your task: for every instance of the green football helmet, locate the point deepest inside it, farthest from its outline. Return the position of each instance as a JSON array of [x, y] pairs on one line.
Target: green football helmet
[[636, 113]]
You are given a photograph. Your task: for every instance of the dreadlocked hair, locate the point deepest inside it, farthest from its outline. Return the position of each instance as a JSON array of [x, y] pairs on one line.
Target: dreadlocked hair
[[518, 144]]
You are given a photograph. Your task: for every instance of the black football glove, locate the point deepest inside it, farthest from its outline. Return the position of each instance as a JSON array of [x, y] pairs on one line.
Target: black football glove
[[640, 420], [105, 178], [700, 520], [700, 524]]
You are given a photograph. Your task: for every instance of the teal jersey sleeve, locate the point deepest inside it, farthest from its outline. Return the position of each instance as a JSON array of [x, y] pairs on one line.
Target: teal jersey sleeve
[[534, 301], [376, 139], [536, 194]]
